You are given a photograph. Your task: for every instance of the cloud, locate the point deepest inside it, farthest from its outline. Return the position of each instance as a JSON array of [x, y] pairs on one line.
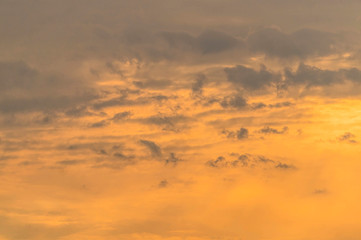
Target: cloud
[[179, 40], [262, 105], [121, 116], [300, 44], [172, 159], [69, 162], [269, 130], [284, 166], [240, 134], [26, 89], [273, 43], [162, 184], [128, 97], [208, 42], [234, 101], [171, 123], [320, 191], [80, 111], [347, 137], [312, 76], [153, 84], [153, 147], [99, 124], [197, 86], [251, 79], [246, 160], [214, 42]]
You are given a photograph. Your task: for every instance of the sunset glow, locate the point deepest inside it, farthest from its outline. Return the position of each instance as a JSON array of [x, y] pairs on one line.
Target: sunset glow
[[180, 120]]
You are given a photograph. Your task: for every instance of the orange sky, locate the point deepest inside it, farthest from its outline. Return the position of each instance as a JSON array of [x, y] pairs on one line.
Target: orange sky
[[180, 120]]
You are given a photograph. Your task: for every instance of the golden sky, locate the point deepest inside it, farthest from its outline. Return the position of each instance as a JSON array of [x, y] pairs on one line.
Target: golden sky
[[180, 120]]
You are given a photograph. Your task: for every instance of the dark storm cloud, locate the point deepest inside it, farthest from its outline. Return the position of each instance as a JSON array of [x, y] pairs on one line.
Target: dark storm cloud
[[251, 79], [153, 147]]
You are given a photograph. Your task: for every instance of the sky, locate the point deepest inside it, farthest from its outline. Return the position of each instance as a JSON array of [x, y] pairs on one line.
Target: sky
[[180, 120]]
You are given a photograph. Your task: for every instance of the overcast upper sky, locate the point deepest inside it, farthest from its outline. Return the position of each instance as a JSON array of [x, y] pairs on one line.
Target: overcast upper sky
[[180, 120]]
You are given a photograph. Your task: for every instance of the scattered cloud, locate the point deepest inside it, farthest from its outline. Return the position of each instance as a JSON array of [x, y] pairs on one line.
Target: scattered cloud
[[347, 137], [152, 147], [269, 130]]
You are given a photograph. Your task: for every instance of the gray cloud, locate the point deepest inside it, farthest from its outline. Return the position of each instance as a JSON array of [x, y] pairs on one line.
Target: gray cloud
[[234, 101], [162, 184], [153, 147], [347, 137], [172, 159], [153, 84], [284, 166], [26, 89], [121, 116], [251, 79], [247, 161], [99, 124], [269, 130], [320, 191], [208, 42], [213, 42], [69, 162], [240, 134], [80, 111], [300, 44], [312, 76], [261, 105], [171, 123], [197, 86]]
